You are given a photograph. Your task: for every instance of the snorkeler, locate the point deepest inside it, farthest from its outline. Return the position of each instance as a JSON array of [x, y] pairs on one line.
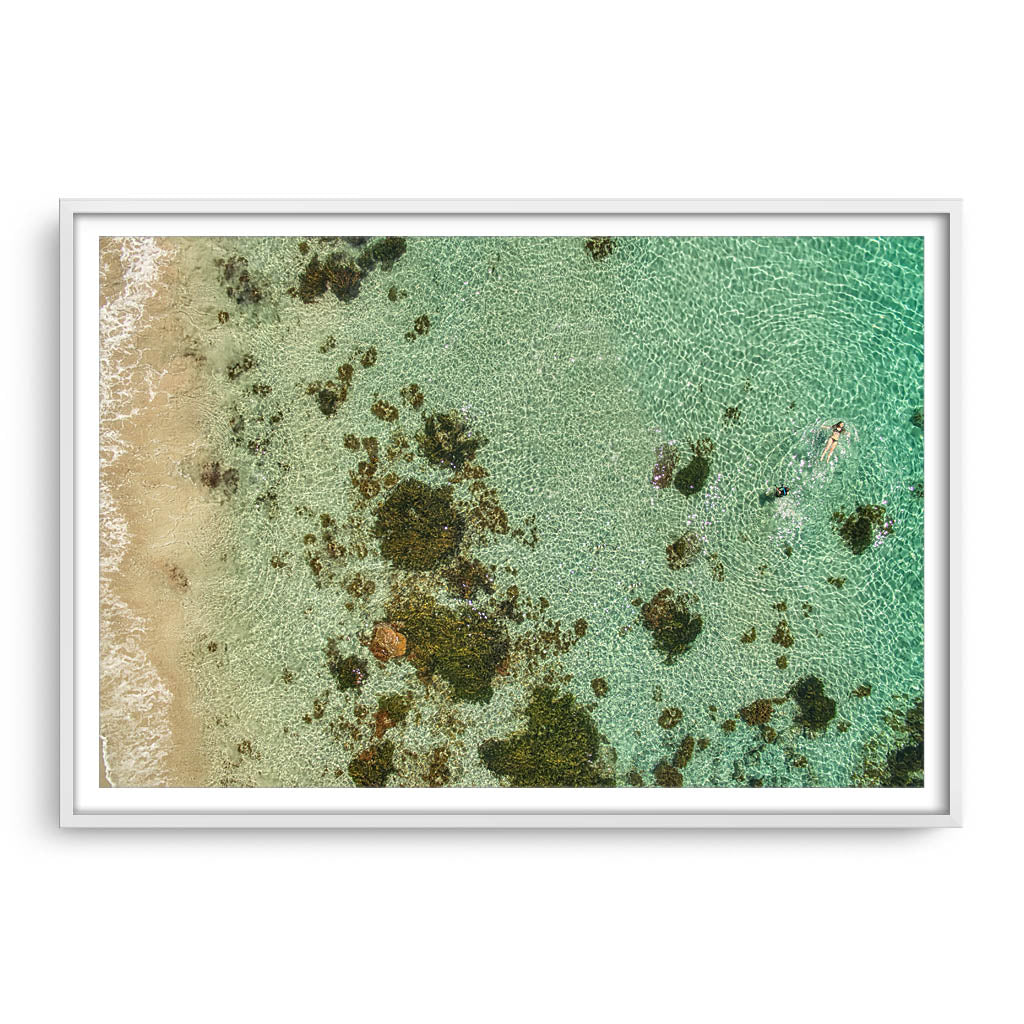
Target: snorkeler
[[830, 445], [775, 492]]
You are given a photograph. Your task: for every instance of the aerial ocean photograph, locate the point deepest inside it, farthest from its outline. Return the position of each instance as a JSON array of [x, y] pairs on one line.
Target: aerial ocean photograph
[[519, 512]]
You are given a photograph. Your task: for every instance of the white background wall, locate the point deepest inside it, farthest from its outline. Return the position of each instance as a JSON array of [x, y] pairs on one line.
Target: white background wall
[[533, 99]]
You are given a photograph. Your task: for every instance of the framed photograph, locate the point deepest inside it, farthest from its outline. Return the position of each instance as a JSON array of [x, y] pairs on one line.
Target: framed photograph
[[566, 514]]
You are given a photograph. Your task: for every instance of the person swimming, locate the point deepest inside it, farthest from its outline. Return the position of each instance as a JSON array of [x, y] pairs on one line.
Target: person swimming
[[830, 444], [775, 492]]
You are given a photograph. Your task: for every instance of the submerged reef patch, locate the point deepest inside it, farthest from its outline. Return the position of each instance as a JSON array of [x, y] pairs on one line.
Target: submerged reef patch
[[716, 568], [323, 559], [816, 709], [439, 772], [906, 763], [464, 646], [600, 247], [330, 394], [363, 476], [903, 764], [392, 711], [418, 526], [860, 530], [758, 712], [384, 411], [372, 767], [413, 394], [667, 776], [420, 326], [238, 281], [782, 636], [684, 550], [672, 625], [682, 756], [464, 577], [244, 365], [385, 252], [559, 746], [215, 476], [349, 672], [670, 774], [670, 718], [336, 272], [448, 442], [694, 475]]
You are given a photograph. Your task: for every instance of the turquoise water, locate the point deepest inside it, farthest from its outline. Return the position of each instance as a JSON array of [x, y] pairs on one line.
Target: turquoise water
[[576, 371]]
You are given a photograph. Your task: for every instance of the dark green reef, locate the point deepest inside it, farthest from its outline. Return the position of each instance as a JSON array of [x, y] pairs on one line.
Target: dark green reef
[[558, 747], [464, 646], [418, 526], [673, 626]]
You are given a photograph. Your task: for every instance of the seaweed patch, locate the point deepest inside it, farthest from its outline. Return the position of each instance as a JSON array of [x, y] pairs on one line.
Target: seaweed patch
[[418, 526], [559, 746], [815, 708], [684, 550], [600, 247], [385, 253], [373, 766], [464, 646], [448, 441], [865, 528], [336, 273], [673, 626], [239, 283]]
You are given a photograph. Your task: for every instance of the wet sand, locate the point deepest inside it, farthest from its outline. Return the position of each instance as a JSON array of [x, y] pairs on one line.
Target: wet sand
[[158, 528]]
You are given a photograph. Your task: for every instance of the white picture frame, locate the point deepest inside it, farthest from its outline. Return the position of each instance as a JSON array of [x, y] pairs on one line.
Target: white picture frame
[[83, 804]]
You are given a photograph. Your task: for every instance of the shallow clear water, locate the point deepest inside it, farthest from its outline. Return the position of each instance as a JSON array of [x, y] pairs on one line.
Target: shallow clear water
[[576, 371]]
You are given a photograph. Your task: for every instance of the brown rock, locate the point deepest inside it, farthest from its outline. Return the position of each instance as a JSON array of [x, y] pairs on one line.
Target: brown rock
[[387, 642]]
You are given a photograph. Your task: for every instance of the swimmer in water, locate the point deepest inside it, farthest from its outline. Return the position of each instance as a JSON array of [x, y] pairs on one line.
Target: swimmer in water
[[830, 445], [776, 492]]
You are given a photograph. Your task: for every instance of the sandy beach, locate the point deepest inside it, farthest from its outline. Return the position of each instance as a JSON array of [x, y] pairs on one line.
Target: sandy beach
[[157, 528]]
